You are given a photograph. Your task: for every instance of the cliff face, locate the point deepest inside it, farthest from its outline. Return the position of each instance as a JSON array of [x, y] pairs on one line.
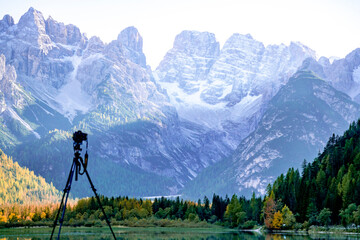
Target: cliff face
[[228, 89], [107, 89], [299, 120], [164, 127]]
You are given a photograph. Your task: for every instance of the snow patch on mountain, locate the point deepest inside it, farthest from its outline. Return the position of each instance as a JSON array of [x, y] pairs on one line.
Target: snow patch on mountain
[[71, 97], [258, 183], [226, 90]]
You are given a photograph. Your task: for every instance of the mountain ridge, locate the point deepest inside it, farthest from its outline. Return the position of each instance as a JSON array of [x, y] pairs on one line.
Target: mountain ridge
[[298, 117], [162, 127]]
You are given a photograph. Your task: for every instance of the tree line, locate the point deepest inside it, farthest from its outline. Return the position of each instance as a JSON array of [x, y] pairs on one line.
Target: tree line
[[326, 192], [128, 211], [328, 189]]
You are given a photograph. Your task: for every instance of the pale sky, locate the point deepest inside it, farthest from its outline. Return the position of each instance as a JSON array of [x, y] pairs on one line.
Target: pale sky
[[330, 27]]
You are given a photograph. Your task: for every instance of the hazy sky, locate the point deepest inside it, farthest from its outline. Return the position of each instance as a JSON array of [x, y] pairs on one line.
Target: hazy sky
[[330, 27]]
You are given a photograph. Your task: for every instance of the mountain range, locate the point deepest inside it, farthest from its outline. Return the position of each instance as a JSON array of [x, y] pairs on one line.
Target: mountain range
[[207, 119]]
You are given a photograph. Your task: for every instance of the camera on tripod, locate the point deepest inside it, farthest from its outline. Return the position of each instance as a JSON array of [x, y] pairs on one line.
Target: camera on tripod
[[78, 138]]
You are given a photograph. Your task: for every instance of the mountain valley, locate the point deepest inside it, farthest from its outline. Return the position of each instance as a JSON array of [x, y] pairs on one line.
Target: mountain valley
[[207, 119]]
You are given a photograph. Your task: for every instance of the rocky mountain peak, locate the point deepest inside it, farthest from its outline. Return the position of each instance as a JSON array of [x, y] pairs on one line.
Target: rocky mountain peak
[[6, 22], [324, 61], [343, 74], [61, 33], [131, 39], [32, 28], [131, 44], [33, 19], [95, 45], [300, 51], [240, 41], [353, 58], [202, 44], [312, 65]]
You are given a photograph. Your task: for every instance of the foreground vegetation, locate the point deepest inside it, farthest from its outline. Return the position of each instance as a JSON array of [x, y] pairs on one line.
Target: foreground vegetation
[[327, 192], [132, 212]]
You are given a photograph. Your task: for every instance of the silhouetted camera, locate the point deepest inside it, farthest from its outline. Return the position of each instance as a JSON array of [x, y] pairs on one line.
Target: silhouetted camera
[[79, 137]]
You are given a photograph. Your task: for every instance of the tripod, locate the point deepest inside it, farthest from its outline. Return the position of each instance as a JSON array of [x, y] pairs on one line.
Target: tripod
[[78, 138]]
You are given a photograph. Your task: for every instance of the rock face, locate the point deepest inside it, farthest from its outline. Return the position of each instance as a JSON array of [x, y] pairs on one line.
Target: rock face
[[297, 124], [107, 89], [343, 74], [10, 92], [13, 99], [226, 90], [163, 128]]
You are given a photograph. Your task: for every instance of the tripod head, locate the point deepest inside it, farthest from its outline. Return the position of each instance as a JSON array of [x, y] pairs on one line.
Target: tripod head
[[79, 137]]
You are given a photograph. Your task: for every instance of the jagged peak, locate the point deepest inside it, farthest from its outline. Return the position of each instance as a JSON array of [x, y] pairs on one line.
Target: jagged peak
[[239, 36], [8, 20], [296, 45], [249, 36], [353, 54], [50, 19], [196, 33], [33, 12], [197, 43], [324, 61], [194, 37], [242, 41], [131, 39], [96, 39], [65, 34], [310, 64], [33, 18]]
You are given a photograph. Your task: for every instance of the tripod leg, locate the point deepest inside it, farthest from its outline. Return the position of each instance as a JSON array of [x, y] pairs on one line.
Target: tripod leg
[[98, 199], [67, 196], [62, 200]]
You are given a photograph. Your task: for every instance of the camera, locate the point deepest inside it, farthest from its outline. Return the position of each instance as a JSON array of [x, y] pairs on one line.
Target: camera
[[79, 137]]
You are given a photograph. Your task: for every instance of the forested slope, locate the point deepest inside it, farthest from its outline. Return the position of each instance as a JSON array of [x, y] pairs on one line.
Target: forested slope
[[330, 182], [19, 185]]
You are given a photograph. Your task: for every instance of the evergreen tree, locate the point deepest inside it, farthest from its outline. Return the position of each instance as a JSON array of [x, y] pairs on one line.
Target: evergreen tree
[[324, 217]]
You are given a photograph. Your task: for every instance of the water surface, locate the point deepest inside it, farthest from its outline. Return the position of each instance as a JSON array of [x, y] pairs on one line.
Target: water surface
[[158, 233]]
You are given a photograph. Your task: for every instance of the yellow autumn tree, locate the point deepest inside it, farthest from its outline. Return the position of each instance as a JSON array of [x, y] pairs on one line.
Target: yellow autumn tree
[[3, 218], [43, 215], [278, 220], [269, 210]]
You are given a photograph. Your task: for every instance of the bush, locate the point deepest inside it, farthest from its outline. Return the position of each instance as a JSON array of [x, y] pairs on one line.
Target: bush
[[298, 226], [248, 225], [306, 225]]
